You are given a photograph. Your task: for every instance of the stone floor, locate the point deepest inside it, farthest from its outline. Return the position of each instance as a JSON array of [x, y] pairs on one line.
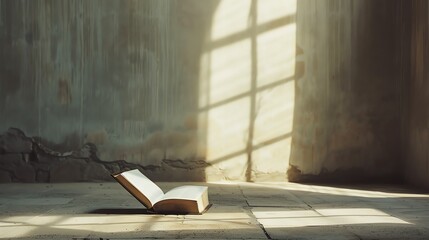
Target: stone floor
[[239, 211]]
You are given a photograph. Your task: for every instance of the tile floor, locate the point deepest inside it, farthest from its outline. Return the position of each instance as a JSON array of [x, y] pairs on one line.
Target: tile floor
[[240, 211]]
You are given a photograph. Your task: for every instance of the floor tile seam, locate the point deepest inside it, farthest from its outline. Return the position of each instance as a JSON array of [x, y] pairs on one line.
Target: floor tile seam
[[249, 212]]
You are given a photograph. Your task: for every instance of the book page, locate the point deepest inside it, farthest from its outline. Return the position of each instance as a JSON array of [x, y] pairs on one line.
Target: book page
[[185, 192], [148, 188]]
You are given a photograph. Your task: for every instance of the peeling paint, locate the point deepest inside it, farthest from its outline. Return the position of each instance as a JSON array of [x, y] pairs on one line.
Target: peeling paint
[[44, 164]]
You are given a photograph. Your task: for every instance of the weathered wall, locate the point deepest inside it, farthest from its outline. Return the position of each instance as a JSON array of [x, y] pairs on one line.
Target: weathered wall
[[120, 74], [416, 96], [346, 125], [200, 90], [188, 90]]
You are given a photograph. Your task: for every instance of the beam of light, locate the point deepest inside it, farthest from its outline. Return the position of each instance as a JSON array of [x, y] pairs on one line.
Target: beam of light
[[227, 127], [269, 217], [22, 226], [276, 54], [247, 89], [230, 17], [230, 71], [339, 191], [84, 224], [277, 218]]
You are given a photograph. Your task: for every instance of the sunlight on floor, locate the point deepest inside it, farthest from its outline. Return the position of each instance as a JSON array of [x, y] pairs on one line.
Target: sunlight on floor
[[341, 191], [269, 217], [275, 217], [239, 209]]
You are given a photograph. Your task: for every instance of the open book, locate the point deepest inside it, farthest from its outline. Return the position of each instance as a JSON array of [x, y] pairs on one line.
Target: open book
[[179, 200]]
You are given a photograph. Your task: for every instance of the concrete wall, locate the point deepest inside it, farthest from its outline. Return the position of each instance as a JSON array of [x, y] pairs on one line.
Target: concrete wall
[[346, 125], [201, 90], [120, 74], [187, 90], [416, 96]]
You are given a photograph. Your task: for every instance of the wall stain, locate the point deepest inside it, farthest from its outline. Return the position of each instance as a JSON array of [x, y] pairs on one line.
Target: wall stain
[[64, 93]]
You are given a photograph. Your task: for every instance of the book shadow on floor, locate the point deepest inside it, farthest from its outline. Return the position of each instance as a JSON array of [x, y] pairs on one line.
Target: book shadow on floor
[[121, 211], [146, 211]]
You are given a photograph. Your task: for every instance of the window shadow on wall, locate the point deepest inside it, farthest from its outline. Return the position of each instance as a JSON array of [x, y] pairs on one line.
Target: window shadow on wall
[[246, 95], [189, 90]]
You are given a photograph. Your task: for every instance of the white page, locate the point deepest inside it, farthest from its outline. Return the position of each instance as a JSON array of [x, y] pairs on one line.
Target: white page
[[185, 192], [144, 185]]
